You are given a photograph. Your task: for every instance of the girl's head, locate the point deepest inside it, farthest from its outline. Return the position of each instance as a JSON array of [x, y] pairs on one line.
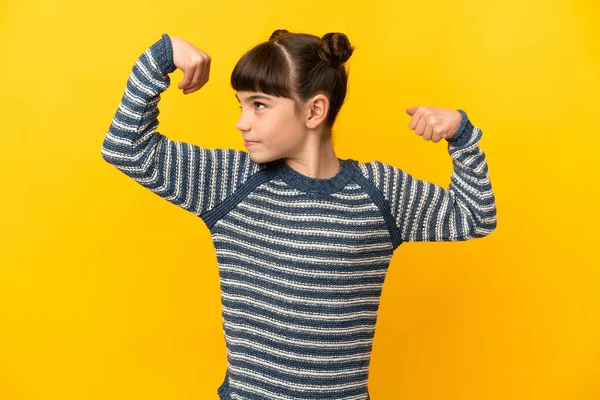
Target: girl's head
[[304, 79]]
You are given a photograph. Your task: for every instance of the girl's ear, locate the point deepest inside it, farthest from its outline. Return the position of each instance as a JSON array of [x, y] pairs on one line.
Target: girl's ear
[[317, 109]]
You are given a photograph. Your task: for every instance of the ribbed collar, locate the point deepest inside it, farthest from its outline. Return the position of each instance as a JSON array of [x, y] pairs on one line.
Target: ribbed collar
[[315, 185]]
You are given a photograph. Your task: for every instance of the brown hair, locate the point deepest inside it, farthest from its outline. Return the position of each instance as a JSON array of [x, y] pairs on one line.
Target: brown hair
[[297, 66]]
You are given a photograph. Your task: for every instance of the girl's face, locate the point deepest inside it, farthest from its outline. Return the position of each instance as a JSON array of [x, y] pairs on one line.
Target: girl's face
[[270, 128]]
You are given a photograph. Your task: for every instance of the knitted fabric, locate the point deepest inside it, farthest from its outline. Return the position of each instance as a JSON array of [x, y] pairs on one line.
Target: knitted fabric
[[301, 260]]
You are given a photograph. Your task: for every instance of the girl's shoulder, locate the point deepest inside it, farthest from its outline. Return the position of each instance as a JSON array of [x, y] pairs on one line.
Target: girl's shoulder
[[377, 170]]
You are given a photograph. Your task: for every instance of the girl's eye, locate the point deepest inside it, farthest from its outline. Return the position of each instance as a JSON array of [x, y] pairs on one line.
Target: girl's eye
[[255, 103]]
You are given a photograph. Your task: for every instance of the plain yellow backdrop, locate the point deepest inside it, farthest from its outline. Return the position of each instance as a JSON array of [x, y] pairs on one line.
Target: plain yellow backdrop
[[109, 292]]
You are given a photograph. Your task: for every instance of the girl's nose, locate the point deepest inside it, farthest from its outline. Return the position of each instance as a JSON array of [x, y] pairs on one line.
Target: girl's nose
[[242, 125]]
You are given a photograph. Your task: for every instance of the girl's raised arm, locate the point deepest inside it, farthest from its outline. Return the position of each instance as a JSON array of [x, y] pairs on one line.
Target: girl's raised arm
[[423, 211], [192, 177]]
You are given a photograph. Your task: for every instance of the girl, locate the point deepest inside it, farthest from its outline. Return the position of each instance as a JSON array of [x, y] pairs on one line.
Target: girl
[[303, 238]]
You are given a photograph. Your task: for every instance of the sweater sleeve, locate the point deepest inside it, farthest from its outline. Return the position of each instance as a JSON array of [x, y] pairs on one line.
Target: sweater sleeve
[[424, 211], [194, 178]]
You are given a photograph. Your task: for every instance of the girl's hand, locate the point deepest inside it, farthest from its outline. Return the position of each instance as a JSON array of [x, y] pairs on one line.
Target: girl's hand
[[434, 123], [194, 63]]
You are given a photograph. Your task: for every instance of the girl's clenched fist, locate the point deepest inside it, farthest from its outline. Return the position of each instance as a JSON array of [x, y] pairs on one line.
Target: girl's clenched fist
[[194, 63], [434, 123]]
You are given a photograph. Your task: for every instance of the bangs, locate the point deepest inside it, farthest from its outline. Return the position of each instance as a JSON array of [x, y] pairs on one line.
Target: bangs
[[263, 69]]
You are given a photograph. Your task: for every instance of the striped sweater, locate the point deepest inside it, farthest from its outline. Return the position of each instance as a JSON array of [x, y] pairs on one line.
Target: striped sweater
[[301, 260]]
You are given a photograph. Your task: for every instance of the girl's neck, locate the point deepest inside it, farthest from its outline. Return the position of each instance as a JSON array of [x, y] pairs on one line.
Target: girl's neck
[[315, 161]]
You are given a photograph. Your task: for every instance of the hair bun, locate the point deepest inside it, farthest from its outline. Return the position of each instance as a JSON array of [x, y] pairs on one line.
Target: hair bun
[[335, 48], [277, 33]]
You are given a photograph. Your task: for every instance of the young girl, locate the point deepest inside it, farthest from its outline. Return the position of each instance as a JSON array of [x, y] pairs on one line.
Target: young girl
[[303, 238]]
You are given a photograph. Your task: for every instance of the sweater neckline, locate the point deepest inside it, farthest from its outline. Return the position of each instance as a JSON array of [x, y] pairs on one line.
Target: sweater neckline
[[315, 185]]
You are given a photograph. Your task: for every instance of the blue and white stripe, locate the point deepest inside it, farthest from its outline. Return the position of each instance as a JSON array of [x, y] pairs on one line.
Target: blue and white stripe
[[301, 281]]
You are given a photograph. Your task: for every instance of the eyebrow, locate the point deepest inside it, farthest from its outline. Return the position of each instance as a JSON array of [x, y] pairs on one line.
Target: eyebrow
[[254, 97]]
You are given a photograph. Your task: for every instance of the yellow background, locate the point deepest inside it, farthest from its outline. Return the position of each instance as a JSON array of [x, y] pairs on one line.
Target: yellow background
[[109, 292]]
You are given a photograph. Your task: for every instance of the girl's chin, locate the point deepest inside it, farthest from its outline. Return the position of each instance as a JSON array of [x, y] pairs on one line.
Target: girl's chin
[[261, 159]]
